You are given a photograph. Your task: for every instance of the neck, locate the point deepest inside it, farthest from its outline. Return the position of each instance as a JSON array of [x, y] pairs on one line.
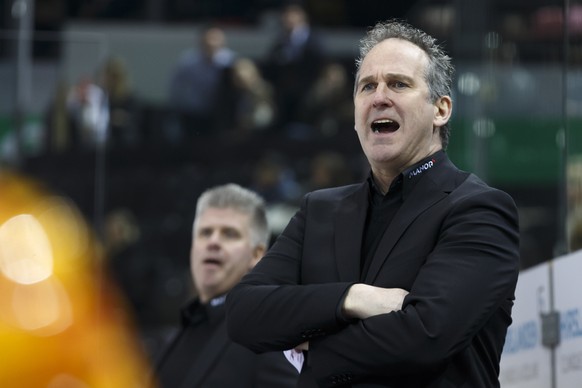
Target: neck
[[383, 180]]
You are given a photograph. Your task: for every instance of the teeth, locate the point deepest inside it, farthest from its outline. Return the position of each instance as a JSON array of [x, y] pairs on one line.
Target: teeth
[[379, 124]]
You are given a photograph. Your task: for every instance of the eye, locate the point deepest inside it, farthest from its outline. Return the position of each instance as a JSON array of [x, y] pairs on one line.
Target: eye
[[399, 85], [231, 233], [368, 86], [204, 232]]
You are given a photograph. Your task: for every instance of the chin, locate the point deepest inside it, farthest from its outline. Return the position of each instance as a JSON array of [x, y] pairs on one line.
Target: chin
[[382, 156]]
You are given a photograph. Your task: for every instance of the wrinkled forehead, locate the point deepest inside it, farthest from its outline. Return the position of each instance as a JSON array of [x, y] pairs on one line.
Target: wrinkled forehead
[[394, 55], [395, 52]]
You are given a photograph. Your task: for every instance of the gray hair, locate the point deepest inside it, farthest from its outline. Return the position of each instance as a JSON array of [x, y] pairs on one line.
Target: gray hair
[[233, 196], [439, 72]]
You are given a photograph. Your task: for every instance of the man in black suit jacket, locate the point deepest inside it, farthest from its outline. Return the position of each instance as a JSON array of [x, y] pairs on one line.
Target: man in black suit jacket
[[293, 62], [229, 236], [404, 280]]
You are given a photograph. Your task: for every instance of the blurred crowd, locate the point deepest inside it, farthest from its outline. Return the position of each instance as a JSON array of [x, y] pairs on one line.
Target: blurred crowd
[[284, 123], [297, 90]]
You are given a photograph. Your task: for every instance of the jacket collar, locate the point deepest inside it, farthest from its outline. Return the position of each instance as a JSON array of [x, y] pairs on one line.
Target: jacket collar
[[431, 187], [195, 312], [427, 187]]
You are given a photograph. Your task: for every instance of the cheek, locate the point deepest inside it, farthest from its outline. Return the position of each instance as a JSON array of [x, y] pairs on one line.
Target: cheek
[[358, 112], [359, 106], [240, 258], [359, 120], [194, 254]]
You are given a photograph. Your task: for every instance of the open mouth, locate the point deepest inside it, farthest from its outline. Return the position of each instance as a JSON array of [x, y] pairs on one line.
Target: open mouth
[[385, 126], [212, 261]]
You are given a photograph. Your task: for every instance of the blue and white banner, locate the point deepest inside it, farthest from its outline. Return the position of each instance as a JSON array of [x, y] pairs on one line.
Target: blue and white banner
[[568, 293], [525, 362]]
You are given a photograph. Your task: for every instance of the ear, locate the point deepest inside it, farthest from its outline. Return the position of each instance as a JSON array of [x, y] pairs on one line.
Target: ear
[[258, 253], [443, 108]]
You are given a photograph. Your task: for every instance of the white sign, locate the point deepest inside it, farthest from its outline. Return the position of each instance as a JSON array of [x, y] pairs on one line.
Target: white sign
[[525, 363], [568, 293]]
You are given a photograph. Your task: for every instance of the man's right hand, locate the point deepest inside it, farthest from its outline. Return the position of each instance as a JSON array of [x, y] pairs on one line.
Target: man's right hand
[[363, 301]]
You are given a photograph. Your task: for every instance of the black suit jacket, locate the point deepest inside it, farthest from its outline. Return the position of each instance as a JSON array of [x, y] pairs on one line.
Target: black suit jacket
[[202, 356], [453, 244]]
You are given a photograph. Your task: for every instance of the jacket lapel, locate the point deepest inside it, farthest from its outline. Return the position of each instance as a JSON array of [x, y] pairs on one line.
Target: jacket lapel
[[349, 220], [428, 191]]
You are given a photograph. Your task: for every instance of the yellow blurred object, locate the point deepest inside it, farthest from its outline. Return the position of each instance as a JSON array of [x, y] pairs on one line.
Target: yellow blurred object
[[62, 322]]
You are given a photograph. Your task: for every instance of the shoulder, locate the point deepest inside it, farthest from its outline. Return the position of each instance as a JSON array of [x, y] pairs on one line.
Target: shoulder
[[474, 193], [336, 193], [319, 204], [466, 186], [476, 186]]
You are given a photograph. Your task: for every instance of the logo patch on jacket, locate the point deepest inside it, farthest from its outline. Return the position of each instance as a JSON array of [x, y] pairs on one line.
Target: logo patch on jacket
[[422, 168]]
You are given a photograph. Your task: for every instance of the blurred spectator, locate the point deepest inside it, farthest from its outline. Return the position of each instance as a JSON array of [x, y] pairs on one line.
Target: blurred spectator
[[548, 21], [575, 231], [130, 267], [198, 85], [254, 101], [328, 169], [57, 121], [121, 231], [574, 181], [123, 105], [328, 105], [574, 195], [274, 180], [88, 109], [230, 234], [293, 62]]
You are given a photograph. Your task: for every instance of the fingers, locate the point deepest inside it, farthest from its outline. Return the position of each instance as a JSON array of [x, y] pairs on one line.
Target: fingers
[[302, 347], [364, 301]]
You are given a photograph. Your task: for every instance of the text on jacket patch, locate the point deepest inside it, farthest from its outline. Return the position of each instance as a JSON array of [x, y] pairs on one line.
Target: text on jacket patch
[[420, 169]]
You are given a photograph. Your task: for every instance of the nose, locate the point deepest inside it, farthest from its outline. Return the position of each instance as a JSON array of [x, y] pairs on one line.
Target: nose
[[213, 241], [382, 96]]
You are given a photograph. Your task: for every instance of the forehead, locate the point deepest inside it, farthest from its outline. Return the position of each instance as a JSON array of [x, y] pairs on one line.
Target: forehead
[[395, 55], [223, 217]]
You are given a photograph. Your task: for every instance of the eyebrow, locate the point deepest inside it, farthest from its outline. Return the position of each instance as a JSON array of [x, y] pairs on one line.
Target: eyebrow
[[398, 76]]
